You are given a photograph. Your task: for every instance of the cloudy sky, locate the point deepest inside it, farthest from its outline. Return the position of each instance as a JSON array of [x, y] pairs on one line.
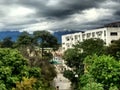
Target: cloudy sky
[[31, 15]]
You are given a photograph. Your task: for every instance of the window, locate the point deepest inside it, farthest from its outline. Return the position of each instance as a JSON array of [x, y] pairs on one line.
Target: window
[[104, 33], [112, 41], [88, 35], [113, 33], [99, 33], [93, 34], [67, 44], [67, 38], [63, 48], [83, 36], [75, 36], [63, 43]]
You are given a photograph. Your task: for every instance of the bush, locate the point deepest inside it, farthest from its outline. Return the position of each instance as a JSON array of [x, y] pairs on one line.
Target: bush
[[93, 86], [13, 67], [105, 70]]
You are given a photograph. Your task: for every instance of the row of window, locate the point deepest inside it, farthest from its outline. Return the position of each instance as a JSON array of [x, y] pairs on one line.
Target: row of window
[[113, 33], [88, 35]]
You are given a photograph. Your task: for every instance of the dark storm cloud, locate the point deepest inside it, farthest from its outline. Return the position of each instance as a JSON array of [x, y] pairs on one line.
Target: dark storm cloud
[[61, 13], [62, 9], [117, 13]]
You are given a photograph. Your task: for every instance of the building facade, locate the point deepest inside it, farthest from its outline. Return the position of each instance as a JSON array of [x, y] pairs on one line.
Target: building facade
[[109, 33]]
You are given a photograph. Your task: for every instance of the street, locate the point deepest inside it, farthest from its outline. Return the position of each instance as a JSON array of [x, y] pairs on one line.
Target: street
[[62, 82]]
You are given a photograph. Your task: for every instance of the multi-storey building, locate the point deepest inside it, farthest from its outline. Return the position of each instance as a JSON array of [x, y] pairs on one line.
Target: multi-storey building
[[108, 33]]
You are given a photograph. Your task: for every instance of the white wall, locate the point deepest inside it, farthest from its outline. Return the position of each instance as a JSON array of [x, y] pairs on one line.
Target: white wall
[[112, 37], [102, 33]]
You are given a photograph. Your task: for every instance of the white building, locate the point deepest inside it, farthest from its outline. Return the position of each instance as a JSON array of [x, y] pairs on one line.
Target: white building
[[109, 33]]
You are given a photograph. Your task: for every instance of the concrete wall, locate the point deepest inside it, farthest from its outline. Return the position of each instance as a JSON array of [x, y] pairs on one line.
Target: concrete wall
[[103, 33]]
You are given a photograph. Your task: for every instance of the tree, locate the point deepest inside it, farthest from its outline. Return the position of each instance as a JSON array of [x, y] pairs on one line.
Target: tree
[[13, 67], [74, 59], [25, 84], [114, 49], [7, 43], [93, 86], [25, 39], [28, 44], [25, 44], [45, 39], [91, 46], [105, 70]]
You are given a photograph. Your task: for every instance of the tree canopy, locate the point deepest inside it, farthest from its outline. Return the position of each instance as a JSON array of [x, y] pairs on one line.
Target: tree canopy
[[45, 39], [114, 49], [7, 43], [13, 67], [105, 70], [92, 46], [25, 39]]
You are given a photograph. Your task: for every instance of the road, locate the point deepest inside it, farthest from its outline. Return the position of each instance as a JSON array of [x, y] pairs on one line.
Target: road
[[62, 82]]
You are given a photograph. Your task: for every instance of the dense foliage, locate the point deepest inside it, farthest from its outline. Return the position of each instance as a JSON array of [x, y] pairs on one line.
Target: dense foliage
[[92, 46], [105, 70], [7, 42], [13, 67], [35, 71], [45, 39], [114, 49], [74, 59], [101, 65]]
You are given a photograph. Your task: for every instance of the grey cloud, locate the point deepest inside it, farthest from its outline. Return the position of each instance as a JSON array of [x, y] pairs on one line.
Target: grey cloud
[[68, 8], [61, 11]]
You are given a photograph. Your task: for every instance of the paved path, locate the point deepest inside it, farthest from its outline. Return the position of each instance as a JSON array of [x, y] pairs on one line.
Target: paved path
[[62, 82]]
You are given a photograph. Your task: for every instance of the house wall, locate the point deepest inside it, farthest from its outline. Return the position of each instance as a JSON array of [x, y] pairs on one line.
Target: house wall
[[107, 34]]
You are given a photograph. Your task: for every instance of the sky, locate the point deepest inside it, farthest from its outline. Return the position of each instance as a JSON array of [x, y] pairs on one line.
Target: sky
[[52, 15]]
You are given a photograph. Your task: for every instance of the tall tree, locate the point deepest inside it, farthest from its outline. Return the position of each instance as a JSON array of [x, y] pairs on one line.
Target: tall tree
[[114, 49], [74, 59], [13, 67], [25, 39], [25, 43], [105, 70], [45, 39], [92, 46], [7, 42]]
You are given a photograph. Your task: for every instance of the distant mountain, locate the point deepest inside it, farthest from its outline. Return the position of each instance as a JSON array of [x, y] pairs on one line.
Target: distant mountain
[[13, 34]]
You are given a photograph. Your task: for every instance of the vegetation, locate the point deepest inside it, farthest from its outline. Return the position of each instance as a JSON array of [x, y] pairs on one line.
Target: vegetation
[[101, 65], [13, 67], [94, 66], [105, 70], [114, 49], [25, 84], [7, 43], [91, 46], [45, 39], [26, 66], [74, 59]]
